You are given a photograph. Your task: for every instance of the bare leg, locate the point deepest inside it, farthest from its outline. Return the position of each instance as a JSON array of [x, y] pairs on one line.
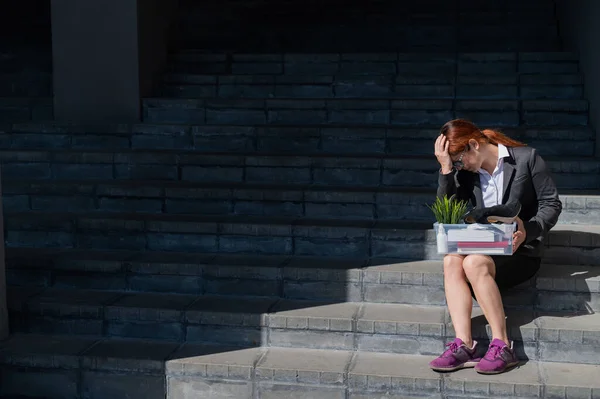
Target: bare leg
[[480, 270], [458, 297]]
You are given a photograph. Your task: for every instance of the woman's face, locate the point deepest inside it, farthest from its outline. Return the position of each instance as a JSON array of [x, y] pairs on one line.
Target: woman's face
[[468, 159]]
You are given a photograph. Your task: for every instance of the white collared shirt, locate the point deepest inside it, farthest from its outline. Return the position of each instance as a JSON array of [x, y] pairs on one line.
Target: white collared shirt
[[491, 185]]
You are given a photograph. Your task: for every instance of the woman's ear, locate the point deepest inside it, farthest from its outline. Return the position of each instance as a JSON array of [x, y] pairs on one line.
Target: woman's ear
[[473, 144]]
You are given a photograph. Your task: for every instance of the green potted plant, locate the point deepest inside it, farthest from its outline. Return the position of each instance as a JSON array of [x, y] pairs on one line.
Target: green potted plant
[[446, 211]]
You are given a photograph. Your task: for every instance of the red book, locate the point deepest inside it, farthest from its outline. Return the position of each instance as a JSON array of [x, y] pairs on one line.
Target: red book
[[496, 244]]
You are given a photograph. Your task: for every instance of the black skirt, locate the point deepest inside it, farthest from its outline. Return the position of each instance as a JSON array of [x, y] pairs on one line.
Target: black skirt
[[513, 270]]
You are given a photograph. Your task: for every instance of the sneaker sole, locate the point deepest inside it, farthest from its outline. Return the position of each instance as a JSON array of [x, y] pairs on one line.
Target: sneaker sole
[[508, 367], [462, 366]]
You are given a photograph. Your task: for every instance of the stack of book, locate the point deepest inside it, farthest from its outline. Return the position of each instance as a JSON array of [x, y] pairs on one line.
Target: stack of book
[[479, 241]]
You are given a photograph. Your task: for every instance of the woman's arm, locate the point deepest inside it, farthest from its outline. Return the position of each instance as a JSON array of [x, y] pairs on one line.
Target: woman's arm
[[549, 205], [446, 184], [450, 184], [447, 175]]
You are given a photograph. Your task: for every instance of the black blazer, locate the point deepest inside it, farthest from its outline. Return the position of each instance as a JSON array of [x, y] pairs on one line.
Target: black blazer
[[527, 180]]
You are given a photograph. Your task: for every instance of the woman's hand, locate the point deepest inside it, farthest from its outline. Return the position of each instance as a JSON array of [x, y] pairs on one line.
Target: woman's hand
[[442, 155], [519, 235]]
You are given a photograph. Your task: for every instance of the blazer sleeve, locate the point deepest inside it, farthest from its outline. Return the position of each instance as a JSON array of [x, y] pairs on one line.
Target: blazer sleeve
[[549, 205], [446, 184], [450, 185]]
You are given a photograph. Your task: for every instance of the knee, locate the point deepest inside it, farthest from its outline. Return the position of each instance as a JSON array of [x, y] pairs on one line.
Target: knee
[[453, 268], [477, 266]]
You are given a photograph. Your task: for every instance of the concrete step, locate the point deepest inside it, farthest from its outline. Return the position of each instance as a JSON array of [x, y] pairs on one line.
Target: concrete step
[[309, 201], [35, 59], [372, 40], [426, 7], [18, 109], [388, 18], [282, 65], [264, 168], [494, 13], [286, 10], [191, 55], [425, 27], [67, 366], [150, 369], [385, 34], [26, 84], [282, 14], [419, 72], [437, 85], [298, 139], [403, 239], [229, 199], [407, 38], [217, 320], [300, 277], [505, 16], [365, 112], [417, 329], [579, 208]]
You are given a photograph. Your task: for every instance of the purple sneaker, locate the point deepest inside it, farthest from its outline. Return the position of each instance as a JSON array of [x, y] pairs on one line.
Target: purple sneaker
[[456, 357], [499, 358]]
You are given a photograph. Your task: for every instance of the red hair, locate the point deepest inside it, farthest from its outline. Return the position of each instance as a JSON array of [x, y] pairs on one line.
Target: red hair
[[460, 131]]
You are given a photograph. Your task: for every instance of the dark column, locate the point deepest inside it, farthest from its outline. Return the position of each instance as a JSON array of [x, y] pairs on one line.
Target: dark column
[[3, 307], [95, 60], [154, 22], [106, 55], [580, 31]]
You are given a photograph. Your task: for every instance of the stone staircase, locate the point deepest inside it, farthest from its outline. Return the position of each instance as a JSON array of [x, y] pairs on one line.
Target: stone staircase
[[263, 233], [25, 86]]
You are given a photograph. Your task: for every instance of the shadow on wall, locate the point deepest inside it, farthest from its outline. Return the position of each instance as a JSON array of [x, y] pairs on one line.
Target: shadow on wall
[[25, 23], [334, 26]]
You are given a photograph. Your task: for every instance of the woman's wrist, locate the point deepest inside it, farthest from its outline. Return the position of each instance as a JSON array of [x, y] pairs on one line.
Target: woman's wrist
[[446, 171]]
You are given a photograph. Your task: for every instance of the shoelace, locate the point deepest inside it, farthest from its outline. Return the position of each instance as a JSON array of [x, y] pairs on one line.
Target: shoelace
[[493, 352], [452, 348]]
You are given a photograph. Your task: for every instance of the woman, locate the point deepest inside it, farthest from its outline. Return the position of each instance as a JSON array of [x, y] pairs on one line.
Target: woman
[[487, 168]]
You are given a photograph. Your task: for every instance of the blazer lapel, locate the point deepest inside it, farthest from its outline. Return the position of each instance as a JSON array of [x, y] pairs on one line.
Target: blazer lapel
[[508, 175]]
